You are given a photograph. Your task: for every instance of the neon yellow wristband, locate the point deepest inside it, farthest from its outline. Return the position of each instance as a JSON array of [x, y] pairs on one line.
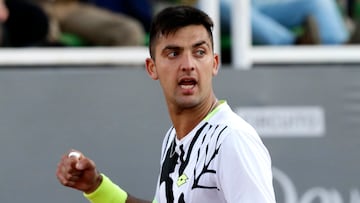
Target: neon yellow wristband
[[107, 192]]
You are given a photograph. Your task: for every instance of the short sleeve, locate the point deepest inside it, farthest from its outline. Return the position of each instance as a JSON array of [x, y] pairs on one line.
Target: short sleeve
[[245, 169]]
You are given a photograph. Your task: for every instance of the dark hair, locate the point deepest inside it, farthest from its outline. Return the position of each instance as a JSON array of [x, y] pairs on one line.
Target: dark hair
[[171, 19]]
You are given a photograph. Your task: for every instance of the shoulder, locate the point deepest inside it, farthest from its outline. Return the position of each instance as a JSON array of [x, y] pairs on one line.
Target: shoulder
[[243, 155], [236, 128], [238, 138]]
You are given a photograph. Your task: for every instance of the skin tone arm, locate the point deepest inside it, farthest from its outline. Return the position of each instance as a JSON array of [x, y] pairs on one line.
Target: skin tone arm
[[81, 174]]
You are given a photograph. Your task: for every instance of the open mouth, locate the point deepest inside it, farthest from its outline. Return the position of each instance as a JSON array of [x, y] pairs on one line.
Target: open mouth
[[187, 83]]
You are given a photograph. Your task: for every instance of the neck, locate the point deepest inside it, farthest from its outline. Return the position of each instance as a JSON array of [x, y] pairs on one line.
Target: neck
[[187, 119]]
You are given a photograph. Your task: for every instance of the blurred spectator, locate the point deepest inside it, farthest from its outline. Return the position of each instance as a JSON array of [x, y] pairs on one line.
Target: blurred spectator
[[96, 26], [22, 24], [4, 14], [273, 22], [138, 9], [354, 13]]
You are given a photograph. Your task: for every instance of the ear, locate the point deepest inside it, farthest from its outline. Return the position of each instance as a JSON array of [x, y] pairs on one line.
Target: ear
[[151, 69], [216, 65]]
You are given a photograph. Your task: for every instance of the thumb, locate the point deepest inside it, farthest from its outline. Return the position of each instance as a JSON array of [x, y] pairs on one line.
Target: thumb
[[85, 164]]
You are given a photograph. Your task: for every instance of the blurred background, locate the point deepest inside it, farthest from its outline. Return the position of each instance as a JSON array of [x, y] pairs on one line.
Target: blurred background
[[72, 76]]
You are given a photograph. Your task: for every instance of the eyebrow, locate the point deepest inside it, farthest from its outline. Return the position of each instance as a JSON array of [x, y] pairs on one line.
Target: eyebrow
[[171, 47], [200, 43], [175, 47]]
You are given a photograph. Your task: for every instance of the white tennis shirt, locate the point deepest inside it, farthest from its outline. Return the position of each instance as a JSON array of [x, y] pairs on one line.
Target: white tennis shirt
[[221, 160]]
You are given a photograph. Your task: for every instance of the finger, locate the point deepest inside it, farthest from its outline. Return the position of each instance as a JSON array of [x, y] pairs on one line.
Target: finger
[[75, 172], [66, 172], [62, 177], [76, 162], [71, 158], [68, 166], [85, 164], [73, 177], [66, 182], [69, 176], [75, 154]]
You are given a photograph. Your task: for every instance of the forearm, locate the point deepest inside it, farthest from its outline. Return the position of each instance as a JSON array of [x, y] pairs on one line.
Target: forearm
[[109, 192], [132, 199]]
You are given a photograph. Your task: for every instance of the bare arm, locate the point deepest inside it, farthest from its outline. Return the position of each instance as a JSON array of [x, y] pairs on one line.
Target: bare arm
[[132, 199], [80, 173]]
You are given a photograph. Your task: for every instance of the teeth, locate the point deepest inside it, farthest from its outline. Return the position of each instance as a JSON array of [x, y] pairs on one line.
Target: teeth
[[186, 86]]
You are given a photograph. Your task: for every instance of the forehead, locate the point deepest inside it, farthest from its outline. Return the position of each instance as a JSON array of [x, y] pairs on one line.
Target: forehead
[[185, 36]]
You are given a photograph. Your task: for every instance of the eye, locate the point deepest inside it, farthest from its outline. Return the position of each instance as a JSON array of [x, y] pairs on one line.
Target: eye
[[172, 54], [200, 52]]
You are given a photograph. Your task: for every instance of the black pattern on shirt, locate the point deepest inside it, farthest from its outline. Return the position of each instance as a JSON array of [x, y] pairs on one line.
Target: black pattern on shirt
[[172, 158]]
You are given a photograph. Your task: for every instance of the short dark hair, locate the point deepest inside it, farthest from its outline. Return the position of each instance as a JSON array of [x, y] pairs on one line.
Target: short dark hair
[[171, 19]]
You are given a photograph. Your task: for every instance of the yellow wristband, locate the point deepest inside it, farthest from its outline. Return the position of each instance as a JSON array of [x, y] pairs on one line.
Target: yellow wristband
[[107, 192]]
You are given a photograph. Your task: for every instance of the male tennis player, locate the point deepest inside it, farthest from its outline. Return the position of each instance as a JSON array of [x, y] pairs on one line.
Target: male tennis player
[[210, 154]]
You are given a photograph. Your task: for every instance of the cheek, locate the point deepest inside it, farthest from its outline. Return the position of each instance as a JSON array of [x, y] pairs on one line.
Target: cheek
[[168, 69], [165, 77], [167, 86]]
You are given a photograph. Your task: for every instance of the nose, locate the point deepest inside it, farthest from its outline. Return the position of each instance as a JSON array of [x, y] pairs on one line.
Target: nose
[[188, 63]]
